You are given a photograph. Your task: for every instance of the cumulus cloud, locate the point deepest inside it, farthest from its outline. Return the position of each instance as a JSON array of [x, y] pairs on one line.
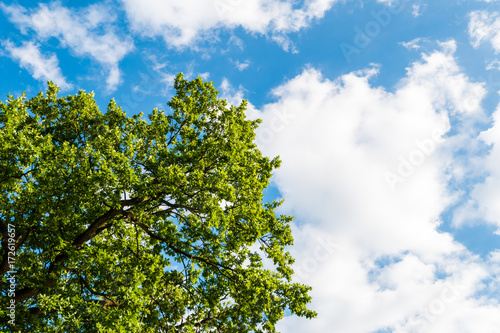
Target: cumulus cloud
[[42, 67], [87, 32], [183, 23], [484, 26], [371, 248]]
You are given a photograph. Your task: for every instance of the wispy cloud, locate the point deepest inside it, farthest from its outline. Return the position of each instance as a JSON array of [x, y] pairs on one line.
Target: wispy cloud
[[87, 32], [417, 9], [484, 26], [414, 44], [241, 66], [44, 67]]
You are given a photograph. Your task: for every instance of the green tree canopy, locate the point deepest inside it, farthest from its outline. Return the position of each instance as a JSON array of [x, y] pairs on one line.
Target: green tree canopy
[[127, 225]]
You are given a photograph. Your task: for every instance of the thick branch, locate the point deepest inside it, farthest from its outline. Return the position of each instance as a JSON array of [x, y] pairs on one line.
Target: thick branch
[[55, 266], [91, 231], [16, 176], [89, 288]]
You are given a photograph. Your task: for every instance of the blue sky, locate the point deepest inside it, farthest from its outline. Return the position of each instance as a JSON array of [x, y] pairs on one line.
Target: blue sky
[[385, 114]]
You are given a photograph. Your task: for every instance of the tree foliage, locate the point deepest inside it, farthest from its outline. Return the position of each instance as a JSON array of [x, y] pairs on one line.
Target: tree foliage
[[128, 225]]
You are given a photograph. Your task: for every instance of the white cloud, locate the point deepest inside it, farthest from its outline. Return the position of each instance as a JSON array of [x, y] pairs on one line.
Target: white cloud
[[87, 33], [414, 44], [183, 23], [41, 67], [241, 66], [238, 42], [204, 76], [235, 96], [114, 78], [390, 267], [484, 199], [394, 2], [388, 2], [485, 27], [417, 9], [495, 64], [159, 77]]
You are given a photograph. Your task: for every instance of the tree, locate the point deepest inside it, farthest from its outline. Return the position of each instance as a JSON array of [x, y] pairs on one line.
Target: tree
[[126, 225]]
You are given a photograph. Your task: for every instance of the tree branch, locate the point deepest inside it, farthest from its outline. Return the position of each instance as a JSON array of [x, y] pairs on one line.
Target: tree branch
[[179, 251], [89, 233], [4, 266]]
